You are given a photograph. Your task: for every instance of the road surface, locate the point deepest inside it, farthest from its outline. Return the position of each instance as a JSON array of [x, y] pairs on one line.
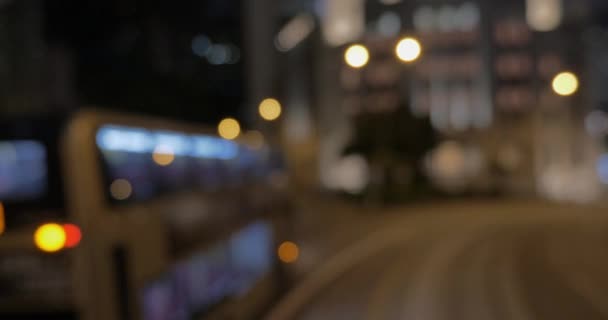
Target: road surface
[[465, 261]]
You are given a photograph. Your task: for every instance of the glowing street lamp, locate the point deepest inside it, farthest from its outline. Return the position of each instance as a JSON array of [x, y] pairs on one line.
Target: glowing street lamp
[[565, 84], [229, 129], [408, 49], [356, 56], [270, 109]]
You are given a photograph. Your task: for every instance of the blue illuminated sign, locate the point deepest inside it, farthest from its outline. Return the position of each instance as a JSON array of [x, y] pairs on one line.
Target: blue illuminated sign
[[138, 140]]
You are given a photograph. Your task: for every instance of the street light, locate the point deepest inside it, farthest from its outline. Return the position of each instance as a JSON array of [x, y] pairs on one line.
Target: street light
[[270, 109], [408, 49], [356, 56], [229, 129], [565, 83]]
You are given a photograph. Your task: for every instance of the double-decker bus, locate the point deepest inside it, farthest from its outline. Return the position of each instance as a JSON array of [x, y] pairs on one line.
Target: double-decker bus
[[111, 216]]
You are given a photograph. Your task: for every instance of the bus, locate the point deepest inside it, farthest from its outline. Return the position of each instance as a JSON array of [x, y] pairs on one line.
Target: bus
[[113, 216]]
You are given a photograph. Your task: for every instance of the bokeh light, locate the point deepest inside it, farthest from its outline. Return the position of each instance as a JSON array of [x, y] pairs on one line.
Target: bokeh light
[[468, 16], [254, 139], [408, 49], [356, 56], [219, 54], [288, 252], [449, 160], [596, 123], [163, 155], [565, 84], [270, 109], [73, 235], [121, 189], [294, 32], [424, 19], [389, 24], [50, 237], [352, 174], [229, 129], [446, 18], [201, 45], [544, 15]]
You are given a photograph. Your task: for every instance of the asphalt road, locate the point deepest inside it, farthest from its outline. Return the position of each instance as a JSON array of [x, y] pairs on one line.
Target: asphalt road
[[465, 261]]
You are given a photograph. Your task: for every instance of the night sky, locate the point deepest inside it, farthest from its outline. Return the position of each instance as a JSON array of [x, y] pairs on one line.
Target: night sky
[[137, 55]]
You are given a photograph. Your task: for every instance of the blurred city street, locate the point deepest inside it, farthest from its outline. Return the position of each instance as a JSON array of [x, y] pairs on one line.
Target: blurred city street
[[473, 260], [303, 159]]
